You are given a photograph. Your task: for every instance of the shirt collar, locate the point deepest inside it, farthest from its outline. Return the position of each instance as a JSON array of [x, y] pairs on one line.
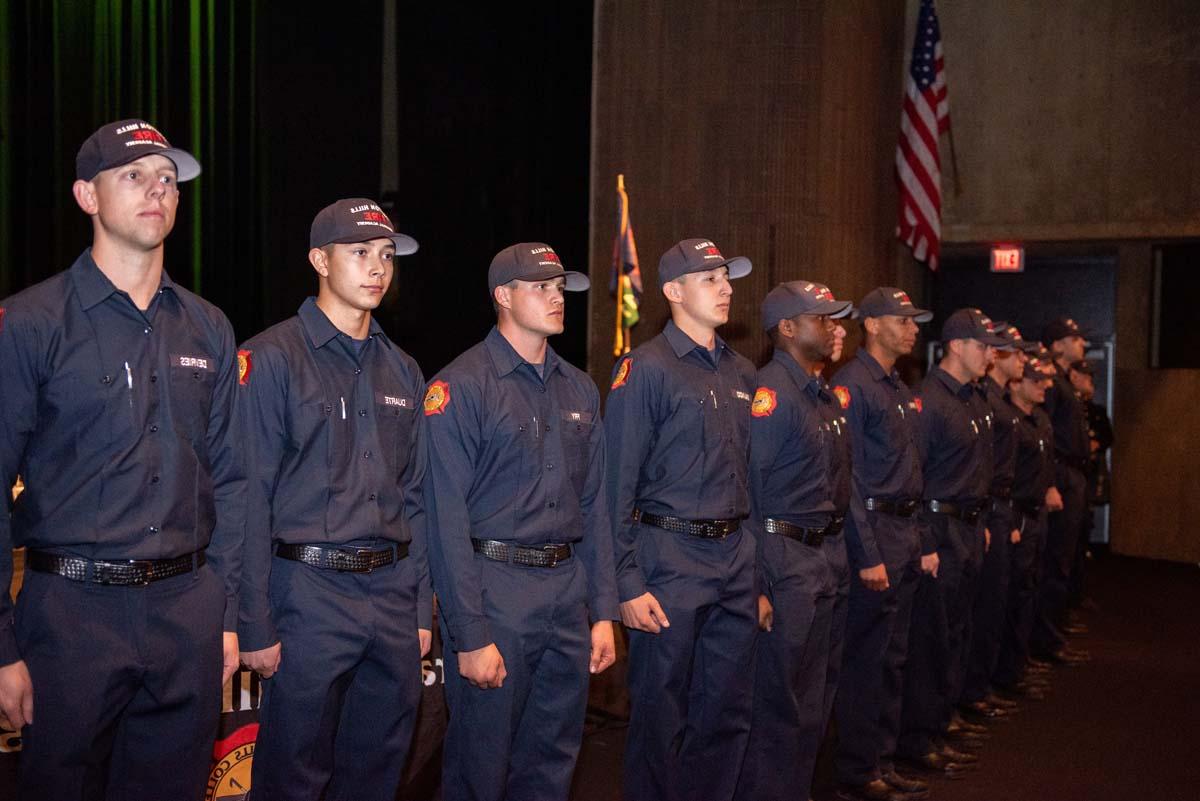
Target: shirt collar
[[321, 331], [875, 368], [804, 379], [682, 344], [93, 287], [951, 383], [506, 359]]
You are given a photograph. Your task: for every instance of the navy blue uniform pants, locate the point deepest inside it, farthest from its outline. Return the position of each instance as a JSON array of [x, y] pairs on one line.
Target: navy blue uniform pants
[[990, 614], [1063, 530], [691, 686], [871, 683], [940, 630], [1022, 594], [790, 675], [834, 549], [126, 687], [521, 740], [337, 717]]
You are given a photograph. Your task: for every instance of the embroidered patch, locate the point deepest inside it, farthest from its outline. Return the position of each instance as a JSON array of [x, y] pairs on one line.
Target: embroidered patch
[[437, 398], [764, 402], [622, 374], [843, 396], [916, 404], [245, 365]]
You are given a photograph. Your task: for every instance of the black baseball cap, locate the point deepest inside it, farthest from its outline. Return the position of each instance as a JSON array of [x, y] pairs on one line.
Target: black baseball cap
[[1032, 370], [532, 261], [973, 324], [792, 298], [1061, 328], [356, 219], [1019, 342], [887, 301], [129, 140], [1083, 366], [697, 255]]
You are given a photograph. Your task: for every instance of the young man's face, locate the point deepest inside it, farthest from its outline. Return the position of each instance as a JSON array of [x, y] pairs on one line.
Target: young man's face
[[896, 334], [1083, 383], [1031, 391], [1009, 365], [135, 203], [1071, 347], [975, 356], [359, 273], [816, 336], [704, 296], [538, 306]]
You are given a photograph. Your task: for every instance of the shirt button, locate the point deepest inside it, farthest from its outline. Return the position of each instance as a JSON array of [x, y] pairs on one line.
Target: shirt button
[[371, 497], [153, 377], [153, 429], [362, 412], [551, 504], [367, 455], [542, 390], [731, 475], [549, 465], [147, 330], [357, 370], [106, 380], [154, 529]]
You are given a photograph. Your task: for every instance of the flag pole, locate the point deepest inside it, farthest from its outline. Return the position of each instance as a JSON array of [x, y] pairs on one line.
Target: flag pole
[[619, 336]]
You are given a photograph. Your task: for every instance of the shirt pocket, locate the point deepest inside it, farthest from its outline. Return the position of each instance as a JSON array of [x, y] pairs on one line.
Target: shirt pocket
[[192, 379], [576, 427], [396, 416]]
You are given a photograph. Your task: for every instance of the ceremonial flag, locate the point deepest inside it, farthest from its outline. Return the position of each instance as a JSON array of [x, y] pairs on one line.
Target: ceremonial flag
[[925, 116], [626, 282]]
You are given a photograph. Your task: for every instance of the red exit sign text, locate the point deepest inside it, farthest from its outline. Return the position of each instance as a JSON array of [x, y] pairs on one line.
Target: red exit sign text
[[1008, 260]]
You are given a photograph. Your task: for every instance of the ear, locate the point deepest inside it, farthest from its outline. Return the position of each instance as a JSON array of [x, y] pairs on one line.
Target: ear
[[502, 295], [85, 196], [787, 327], [319, 260], [871, 324], [673, 292]]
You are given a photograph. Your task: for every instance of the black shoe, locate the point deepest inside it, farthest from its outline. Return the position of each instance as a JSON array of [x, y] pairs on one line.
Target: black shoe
[[955, 755], [991, 699], [933, 762], [1070, 656], [958, 723], [912, 788], [981, 711], [877, 790]]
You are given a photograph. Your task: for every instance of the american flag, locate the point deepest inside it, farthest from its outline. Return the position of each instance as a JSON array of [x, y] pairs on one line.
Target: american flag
[[925, 116]]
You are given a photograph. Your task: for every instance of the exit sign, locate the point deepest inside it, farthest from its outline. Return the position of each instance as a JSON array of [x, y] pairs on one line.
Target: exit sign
[[1008, 260]]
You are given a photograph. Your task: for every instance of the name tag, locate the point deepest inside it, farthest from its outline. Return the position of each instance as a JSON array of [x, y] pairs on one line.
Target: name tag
[[577, 417], [189, 362], [395, 401], [745, 396]]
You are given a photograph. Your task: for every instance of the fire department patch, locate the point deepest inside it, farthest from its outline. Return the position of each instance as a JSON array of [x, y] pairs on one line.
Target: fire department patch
[[622, 374], [245, 365], [764, 402], [916, 404], [437, 398], [233, 756], [843, 396], [1, 319]]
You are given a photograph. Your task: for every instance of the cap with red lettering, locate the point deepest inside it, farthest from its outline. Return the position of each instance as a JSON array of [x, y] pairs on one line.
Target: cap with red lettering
[[887, 301], [973, 324], [124, 141], [698, 255], [793, 298], [532, 261], [356, 219]]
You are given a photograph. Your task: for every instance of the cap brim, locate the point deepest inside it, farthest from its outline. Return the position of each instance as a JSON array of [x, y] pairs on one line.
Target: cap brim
[[739, 267], [186, 166], [405, 245], [835, 309], [918, 315]]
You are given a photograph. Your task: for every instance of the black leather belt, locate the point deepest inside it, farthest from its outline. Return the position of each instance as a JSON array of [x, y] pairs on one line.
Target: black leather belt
[[707, 529], [807, 536], [967, 512], [548, 555], [120, 573], [343, 559], [897, 508]]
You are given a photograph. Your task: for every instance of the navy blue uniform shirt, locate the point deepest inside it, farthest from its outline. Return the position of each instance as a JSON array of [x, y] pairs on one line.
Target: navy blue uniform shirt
[[335, 452], [1004, 420], [1068, 415], [678, 427], [796, 429], [885, 462], [1034, 468], [517, 457], [955, 439], [122, 424]]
